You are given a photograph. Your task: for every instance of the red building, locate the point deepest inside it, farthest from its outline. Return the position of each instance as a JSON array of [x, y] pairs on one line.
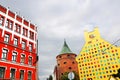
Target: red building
[[18, 47], [65, 62]]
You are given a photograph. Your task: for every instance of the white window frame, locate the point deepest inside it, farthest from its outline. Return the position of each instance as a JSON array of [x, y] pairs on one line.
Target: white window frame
[[15, 41], [12, 75], [30, 60], [23, 44], [22, 60], [1, 20], [30, 47], [6, 38], [2, 73], [7, 23], [29, 75], [14, 56], [22, 75], [11, 25], [4, 54]]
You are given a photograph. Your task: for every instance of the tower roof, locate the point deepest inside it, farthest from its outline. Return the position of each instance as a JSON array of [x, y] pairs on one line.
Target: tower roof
[[65, 48]]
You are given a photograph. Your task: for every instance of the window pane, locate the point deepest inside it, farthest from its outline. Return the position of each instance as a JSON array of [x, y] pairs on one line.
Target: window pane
[[30, 61], [12, 73], [23, 44], [14, 56], [11, 24], [2, 72], [21, 75], [30, 47], [4, 54], [1, 20], [29, 75], [7, 23], [6, 38], [22, 58], [15, 41]]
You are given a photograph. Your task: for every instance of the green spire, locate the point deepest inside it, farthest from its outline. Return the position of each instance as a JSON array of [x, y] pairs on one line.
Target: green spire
[[65, 48]]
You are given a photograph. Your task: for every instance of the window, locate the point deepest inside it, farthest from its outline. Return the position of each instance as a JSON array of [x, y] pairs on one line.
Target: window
[[11, 25], [31, 35], [65, 62], [58, 64], [29, 75], [12, 74], [1, 20], [4, 54], [30, 47], [25, 32], [6, 38], [16, 41], [2, 72], [7, 24], [21, 75], [14, 56], [73, 62], [60, 56], [69, 68], [30, 61], [17, 28], [22, 58], [23, 44]]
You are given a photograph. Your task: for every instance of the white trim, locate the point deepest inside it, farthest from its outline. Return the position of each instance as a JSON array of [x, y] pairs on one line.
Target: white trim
[[22, 25], [17, 64]]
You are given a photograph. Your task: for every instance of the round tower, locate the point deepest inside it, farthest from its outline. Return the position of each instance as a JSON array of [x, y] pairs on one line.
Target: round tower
[[66, 61]]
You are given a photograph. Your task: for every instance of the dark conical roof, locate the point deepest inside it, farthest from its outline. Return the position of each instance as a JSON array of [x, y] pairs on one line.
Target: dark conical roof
[[65, 48]]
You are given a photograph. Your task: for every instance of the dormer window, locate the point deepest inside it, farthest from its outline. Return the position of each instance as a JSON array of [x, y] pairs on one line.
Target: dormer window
[[91, 36]]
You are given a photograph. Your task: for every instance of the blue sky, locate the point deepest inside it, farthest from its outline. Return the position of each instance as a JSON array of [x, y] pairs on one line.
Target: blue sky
[[59, 19]]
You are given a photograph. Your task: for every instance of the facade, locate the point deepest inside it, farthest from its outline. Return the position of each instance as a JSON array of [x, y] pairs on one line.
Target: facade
[[18, 47], [65, 62], [98, 59]]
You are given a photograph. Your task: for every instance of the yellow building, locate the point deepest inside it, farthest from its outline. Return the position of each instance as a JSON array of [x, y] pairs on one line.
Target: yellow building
[[98, 59]]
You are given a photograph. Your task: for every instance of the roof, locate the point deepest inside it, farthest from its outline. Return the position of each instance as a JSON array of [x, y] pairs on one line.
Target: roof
[[65, 48]]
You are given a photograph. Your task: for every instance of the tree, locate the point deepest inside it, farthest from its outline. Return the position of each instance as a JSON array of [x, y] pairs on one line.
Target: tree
[[65, 76], [50, 77]]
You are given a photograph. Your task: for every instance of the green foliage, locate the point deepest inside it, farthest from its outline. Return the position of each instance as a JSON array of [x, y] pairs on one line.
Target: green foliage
[[50, 77]]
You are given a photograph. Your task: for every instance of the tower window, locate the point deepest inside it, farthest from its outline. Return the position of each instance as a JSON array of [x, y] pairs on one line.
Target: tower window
[[58, 64], [69, 68], [73, 62], [60, 56], [65, 62], [68, 55]]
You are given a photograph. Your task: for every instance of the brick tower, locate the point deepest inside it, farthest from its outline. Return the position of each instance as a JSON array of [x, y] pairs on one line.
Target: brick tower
[[65, 62]]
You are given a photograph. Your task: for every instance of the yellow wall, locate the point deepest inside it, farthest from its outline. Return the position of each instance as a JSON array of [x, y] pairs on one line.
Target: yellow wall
[[98, 58]]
